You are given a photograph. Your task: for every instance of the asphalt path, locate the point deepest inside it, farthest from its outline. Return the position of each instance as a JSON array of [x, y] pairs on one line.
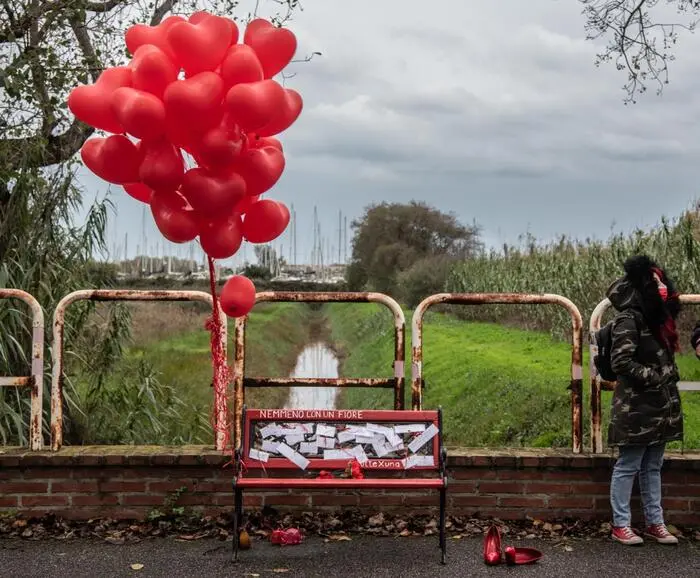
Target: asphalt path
[[361, 557]]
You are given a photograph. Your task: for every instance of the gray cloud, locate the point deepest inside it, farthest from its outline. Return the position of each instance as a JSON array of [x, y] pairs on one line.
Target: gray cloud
[[493, 110]]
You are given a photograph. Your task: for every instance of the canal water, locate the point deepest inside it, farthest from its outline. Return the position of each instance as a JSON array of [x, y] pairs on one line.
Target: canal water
[[316, 360]]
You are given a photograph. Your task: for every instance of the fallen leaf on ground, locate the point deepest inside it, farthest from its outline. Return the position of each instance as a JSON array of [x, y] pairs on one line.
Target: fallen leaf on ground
[[136, 566], [280, 570], [457, 537], [186, 538], [252, 575], [568, 549], [405, 533], [339, 538], [377, 520], [115, 541]]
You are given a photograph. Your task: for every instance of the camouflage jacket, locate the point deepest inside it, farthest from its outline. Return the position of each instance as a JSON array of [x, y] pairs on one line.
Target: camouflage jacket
[[646, 405]]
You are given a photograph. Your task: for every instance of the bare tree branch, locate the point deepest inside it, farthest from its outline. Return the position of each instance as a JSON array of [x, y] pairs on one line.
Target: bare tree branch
[[638, 43], [160, 11]]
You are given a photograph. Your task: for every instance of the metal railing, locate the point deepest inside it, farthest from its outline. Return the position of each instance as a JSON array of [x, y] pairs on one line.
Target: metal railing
[[598, 383], [240, 381], [576, 384], [119, 295], [35, 381]]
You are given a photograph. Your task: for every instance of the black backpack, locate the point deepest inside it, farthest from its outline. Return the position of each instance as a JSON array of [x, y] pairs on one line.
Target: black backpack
[[602, 361]]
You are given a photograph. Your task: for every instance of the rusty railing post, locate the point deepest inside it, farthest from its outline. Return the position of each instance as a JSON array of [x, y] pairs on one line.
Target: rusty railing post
[[36, 381], [576, 384], [240, 381], [118, 295], [598, 384]]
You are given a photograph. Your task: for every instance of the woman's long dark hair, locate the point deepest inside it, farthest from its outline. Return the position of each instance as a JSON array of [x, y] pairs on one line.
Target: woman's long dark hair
[[659, 315]]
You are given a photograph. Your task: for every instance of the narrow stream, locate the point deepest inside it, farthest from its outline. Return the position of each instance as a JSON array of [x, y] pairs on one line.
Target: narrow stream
[[316, 360]]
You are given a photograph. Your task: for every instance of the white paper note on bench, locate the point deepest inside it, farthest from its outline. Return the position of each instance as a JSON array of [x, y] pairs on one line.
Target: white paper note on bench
[[293, 456], [294, 439], [328, 443], [327, 431], [308, 448], [269, 430], [394, 440], [380, 450], [423, 438], [345, 436], [359, 453], [254, 454], [409, 428], [364, 439], [418, 461], [373, 427], [271, 447]]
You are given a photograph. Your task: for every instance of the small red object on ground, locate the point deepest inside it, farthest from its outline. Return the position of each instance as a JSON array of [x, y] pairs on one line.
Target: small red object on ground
[[325, 475], [356, 471], [522, 555], [288, 537], [492, 546]]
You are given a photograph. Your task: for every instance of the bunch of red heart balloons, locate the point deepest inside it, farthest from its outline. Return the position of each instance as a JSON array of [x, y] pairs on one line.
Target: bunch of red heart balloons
[[193, 118]]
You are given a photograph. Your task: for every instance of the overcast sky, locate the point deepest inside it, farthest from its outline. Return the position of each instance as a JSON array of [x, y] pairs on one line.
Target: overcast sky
[[492, 109]]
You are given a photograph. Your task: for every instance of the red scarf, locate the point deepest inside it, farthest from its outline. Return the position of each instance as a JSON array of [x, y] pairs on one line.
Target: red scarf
[[667, 333]]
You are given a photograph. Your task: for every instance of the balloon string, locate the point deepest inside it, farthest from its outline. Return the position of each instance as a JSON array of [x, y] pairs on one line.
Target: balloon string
[[220, 415]]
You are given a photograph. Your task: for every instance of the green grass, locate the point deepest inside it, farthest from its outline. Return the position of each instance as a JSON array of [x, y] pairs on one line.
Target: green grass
[[177, 354], [498, 386], [275, 334]]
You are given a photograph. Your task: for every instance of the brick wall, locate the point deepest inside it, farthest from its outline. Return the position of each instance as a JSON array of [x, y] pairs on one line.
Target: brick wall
[[128, 482]]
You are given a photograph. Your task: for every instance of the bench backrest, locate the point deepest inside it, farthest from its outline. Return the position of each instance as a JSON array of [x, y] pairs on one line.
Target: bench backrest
[[314, 439]]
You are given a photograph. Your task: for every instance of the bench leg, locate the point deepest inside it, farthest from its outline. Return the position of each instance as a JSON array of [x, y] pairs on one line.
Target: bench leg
[[237, 519], [443, 538]]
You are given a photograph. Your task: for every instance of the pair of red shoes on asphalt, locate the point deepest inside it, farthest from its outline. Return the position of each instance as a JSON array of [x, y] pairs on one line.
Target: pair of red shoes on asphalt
[[493, 554]]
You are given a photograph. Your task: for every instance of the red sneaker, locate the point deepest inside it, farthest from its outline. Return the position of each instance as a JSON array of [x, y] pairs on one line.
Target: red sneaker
[[625, 535], [660, 533]]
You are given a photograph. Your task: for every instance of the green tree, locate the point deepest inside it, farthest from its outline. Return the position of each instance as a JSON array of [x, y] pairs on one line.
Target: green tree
[[640, 37], [391, 238]]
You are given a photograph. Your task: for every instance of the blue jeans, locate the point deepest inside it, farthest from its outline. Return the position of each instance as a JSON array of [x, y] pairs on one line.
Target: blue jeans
[[645, 461]]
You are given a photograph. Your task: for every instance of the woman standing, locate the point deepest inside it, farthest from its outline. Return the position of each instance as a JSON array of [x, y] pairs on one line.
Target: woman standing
[[646, 406]]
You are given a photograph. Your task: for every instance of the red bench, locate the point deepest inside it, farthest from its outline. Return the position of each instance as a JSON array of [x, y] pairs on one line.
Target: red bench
[[309, 441]]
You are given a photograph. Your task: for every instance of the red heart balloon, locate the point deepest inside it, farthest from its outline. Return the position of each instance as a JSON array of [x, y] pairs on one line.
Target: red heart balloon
[[162, 167], [286, 114], [92, 103], [139, 191], [258, 142], [245, 203], [175, 220], [211, 194], [115, 158], [201, 46], [193, 106], [241, 65], [140, 34], [219, 147], [254, 105], [153, 70], [274, 46], [199, 16], [237, 296], [260, 168], [221, 238], [265, 221], [140, 113]]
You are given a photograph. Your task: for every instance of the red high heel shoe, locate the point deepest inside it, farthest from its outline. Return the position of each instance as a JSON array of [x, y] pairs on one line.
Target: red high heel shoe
[[492, 546], [521, 555]]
